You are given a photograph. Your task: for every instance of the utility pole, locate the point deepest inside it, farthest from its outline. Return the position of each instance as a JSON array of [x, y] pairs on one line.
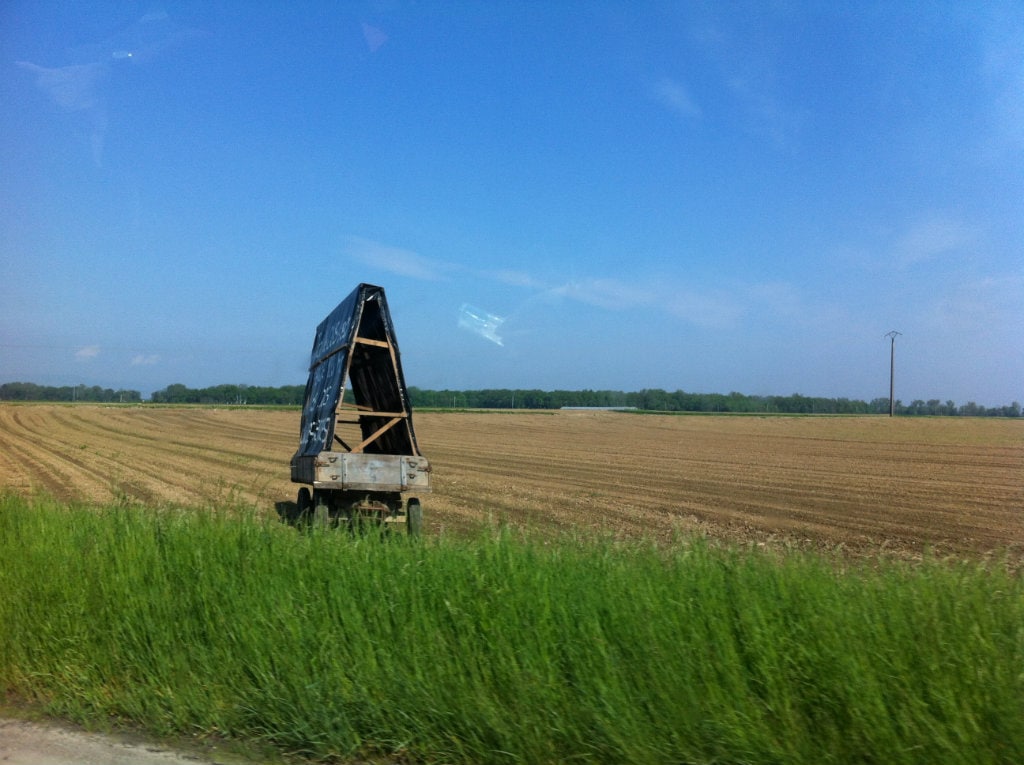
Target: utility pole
[[892, 369]]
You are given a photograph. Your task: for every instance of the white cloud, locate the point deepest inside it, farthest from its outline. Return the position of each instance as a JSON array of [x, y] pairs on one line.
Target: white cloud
[[747, 64], [395, 260], [80, 87], [1002, 38], [374, 37], [931, 238], [676, 98], [780, 298], [715, 309], [515, 279], [986, 305], [966, 341], [71, 87], [606, 293], [87, 352], [773, 117], [75, 88], [144, 360]]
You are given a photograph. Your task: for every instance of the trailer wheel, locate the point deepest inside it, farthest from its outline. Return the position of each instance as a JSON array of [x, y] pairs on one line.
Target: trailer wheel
[[414, 517], [304, 511], [322, 511]]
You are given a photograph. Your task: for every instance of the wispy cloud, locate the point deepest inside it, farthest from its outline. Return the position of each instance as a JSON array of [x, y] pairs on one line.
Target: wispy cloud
[[747, 66], [713, 309], [70, 87], [87, 352], [989, 304], [932, 237], [395, 260], [1002, 39], [757, 95], [143, 360], [778, 298], [79, 87], [674, 96], [613, 294], [515, 279], [375, 38], [75, 88]]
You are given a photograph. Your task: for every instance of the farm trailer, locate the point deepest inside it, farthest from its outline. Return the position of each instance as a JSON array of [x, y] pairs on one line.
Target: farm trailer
[[358, 457]]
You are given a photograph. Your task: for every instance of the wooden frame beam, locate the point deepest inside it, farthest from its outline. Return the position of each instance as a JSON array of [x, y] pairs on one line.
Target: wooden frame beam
[[377, 434]]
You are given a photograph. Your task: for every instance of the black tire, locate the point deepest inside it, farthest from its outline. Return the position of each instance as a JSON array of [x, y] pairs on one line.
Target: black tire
[[304, 509], [414, 517], [321, 512]]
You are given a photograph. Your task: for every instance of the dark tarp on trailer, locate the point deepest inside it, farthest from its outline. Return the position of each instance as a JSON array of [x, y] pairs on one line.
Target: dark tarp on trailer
[[356, 343]]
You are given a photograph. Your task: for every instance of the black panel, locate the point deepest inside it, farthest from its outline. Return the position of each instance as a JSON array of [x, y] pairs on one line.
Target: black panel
[[376, 379]]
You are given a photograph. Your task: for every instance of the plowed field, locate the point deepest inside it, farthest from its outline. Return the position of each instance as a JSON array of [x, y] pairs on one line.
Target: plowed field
[[865, 483]]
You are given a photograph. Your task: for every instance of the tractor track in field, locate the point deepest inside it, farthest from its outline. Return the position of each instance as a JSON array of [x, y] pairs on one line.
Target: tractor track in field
[[860, 483]]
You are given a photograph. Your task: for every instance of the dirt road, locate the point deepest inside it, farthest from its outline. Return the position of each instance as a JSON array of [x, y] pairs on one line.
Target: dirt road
[[34, 743]]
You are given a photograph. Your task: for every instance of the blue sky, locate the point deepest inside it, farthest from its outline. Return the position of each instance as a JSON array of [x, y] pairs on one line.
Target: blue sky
[[711, 197]]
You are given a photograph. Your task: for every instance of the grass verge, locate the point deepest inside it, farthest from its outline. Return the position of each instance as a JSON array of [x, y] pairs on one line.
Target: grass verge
[[503, 649]]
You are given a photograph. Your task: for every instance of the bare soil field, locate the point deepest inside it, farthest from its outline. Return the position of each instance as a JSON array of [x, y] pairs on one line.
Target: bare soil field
[[866, 484]]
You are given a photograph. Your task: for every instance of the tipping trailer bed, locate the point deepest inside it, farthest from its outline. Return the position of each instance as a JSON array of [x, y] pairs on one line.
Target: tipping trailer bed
[[358, 456]]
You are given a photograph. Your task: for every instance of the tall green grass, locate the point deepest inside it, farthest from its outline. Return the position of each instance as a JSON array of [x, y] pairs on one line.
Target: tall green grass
[[502, 649]]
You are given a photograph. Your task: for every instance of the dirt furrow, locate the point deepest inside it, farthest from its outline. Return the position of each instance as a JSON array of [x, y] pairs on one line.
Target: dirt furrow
[[862, 482]]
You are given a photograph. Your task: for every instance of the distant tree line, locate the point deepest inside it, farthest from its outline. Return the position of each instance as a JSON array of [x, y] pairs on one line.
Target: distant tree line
[[652, 399], [285, 395], [655, 399], [22, 391]]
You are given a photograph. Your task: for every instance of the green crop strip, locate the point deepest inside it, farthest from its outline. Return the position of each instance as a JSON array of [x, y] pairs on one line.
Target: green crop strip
[[505, 649]]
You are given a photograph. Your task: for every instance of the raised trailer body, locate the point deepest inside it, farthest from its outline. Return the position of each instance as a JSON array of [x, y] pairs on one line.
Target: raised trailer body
[[358, 453]]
